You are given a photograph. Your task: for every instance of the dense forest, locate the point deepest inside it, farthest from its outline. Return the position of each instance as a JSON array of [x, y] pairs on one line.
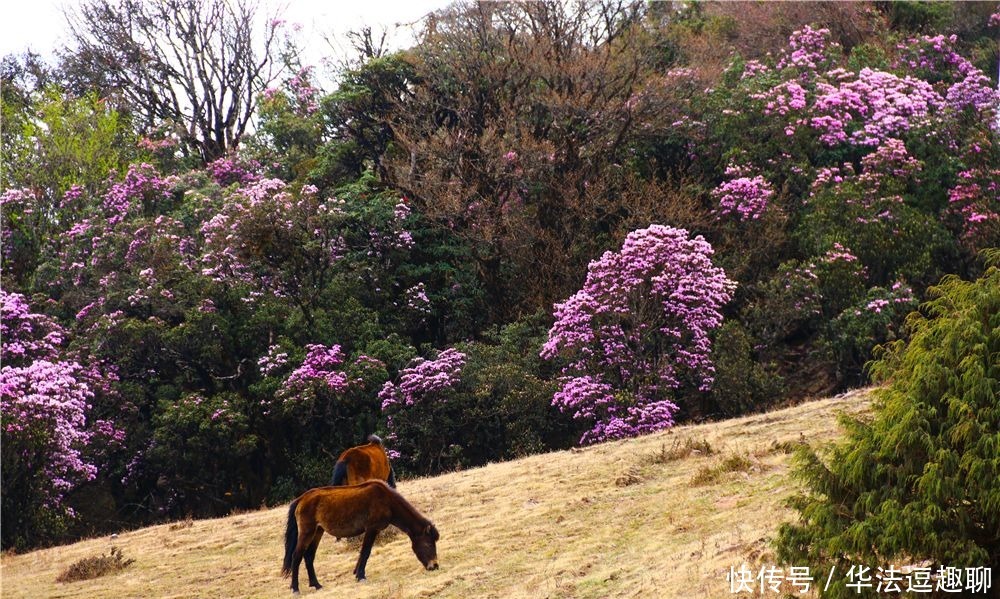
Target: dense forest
[[543, 224]]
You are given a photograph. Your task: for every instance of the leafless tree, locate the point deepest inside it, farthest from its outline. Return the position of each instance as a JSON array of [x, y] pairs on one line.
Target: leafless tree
[[193, 67]]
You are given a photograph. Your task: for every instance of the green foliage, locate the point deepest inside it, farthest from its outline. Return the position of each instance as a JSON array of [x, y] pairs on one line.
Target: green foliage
[[500, 410], [200, 451], [742, 383], [918, 16], [52, 142], [918, 480], [891, 238]]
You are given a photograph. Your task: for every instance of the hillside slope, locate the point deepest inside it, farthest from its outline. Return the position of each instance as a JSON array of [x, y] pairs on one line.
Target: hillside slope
[[635, 518]]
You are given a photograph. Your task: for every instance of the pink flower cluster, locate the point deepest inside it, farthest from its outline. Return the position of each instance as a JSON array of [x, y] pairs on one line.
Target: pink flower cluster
[[810, 49], [272, 361], [231, 169], [322, 364], [140, 191], [26, 335], [639, 326], [746, 198], [873, 107], [43, 400], [975, 199], [424, 380]]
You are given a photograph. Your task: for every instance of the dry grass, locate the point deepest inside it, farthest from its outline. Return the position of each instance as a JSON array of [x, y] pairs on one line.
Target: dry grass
[[559, 525]]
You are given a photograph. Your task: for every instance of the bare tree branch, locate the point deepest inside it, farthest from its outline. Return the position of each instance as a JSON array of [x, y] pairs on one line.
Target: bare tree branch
[[194, 67]]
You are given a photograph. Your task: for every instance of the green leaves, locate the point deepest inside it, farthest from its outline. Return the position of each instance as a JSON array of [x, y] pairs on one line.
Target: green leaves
[[920, 481]]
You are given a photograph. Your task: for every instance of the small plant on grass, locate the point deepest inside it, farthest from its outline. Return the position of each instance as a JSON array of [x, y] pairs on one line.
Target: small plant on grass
[[95, 567], [736, 462], [682, 449]]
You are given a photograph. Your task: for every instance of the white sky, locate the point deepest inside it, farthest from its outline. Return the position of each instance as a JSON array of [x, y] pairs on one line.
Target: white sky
[[40, 25]]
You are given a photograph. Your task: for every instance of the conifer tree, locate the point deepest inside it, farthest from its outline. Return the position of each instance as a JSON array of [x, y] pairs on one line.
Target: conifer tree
[[920, 480]]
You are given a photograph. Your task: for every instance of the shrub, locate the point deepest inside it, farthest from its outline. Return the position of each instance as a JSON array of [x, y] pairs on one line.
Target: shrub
[[637, 332], [95, 567], [917, 481], [742, 384], [481, 402]]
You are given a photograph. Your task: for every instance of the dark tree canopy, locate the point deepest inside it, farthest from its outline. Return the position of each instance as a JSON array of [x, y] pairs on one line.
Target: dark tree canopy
[[192, 68]]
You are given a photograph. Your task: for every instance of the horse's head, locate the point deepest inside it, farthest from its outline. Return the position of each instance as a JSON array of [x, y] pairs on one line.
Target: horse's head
[[424, 541]]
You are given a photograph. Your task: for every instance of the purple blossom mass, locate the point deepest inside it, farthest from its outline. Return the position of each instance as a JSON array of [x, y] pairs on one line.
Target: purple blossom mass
[[322, 364], [637, 330], [744, 198], [43, 400], [424, 380]]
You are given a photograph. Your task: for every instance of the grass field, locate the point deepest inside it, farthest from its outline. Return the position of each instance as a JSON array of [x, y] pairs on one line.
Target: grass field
[[664, 515]]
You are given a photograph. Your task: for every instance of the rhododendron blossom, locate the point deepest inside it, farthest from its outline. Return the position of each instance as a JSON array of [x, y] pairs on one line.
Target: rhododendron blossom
[[423, 380], [746, 198], [637, 331], [43, 400], [322, 364]]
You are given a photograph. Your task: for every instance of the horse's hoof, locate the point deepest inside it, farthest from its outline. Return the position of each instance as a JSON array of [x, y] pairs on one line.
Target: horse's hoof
[[362, 581]]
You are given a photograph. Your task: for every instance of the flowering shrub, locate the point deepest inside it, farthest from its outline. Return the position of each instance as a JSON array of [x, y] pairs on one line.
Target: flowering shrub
[[322, 365], [424, 381], [638, 331], [877, 318], [44, 402], [744, 198], [233, 169], [274, 240], [974, 203], [424, 401], [141, 191]]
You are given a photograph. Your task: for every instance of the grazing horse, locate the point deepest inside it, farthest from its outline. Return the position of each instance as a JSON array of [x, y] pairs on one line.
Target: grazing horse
[[348, 511], [364, 462]]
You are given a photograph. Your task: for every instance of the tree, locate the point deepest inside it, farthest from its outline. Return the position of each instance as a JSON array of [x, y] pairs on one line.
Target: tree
[[512, 124], [43, 401], [637, 331], [191, 67], [918, 481]]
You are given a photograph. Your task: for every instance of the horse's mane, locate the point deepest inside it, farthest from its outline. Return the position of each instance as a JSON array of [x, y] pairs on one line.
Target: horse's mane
[[411, 511]]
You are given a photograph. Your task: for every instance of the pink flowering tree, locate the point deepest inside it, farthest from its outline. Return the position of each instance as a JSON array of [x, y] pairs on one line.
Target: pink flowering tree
[[276, 240], [44, 402], [638, 333], [421, 406], [328, 399], [743, 198], [325, 382]]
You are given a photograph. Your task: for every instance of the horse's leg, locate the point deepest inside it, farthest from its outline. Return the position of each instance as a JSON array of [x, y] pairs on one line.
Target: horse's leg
[[366, 550], [306, 532], [310, 555]]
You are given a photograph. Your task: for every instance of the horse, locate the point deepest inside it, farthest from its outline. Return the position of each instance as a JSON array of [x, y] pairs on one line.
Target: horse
[[347, 511], [364, 462]]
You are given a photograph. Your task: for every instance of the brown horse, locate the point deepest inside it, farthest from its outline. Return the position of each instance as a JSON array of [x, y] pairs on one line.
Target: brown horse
[[364, 462], [348, 511]]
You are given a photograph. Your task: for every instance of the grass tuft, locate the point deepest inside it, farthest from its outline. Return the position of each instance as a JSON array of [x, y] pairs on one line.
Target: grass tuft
[[95, 567], [680, 450]]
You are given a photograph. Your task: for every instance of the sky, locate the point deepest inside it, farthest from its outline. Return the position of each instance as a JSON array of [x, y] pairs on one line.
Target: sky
[[40, 25]]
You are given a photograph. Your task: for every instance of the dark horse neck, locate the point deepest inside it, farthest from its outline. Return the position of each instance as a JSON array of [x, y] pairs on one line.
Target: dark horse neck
[[405, 517]]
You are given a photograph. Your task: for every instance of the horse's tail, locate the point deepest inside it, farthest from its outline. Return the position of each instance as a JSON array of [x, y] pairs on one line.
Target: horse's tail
[[374, 439], [339, 473], [291, 539]]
